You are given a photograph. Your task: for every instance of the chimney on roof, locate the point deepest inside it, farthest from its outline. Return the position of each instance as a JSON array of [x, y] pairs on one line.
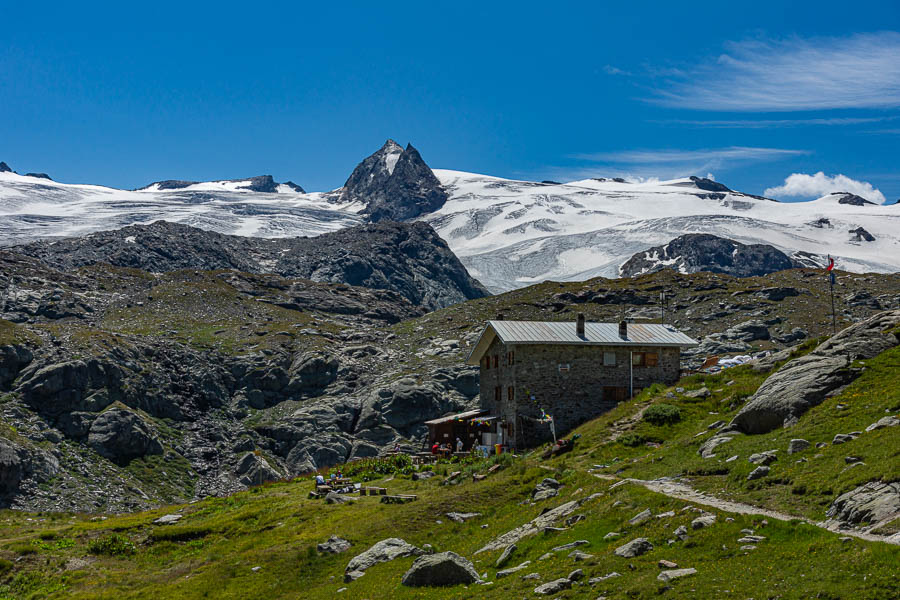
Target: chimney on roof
[[623, 329], [499, 316], [579, 325]]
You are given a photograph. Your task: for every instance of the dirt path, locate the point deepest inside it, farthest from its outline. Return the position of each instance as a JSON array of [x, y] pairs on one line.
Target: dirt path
[[682, 491]]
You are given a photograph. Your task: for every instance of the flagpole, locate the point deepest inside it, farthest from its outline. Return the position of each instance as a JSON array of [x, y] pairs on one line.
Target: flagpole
[[831, 280]]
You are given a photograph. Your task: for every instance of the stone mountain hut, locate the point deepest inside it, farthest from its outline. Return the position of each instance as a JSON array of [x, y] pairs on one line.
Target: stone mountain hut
[[572, 370]]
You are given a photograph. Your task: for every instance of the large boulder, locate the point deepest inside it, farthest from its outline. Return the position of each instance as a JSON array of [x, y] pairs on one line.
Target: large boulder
[[312, 372], [384, 551], [870, 503], [441, 569], [806, 381], [13, 358], [74, 385], [406, 403], [18, 462], [634, 548], [122, 435], [253, 469]]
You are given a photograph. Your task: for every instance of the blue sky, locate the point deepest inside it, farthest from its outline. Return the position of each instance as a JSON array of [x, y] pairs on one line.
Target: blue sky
[[123, 94]]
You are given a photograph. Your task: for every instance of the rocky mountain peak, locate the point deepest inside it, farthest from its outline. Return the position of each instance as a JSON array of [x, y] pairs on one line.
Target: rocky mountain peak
[[697, 252], [394, 184], [709, 185], [5, 168], [853, 199]]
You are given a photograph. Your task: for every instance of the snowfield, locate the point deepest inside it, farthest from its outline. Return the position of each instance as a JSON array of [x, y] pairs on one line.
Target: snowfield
[[514, 233], [508, 233]]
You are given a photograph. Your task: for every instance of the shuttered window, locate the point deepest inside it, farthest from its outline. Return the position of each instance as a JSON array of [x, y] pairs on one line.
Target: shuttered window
[[651, 359]]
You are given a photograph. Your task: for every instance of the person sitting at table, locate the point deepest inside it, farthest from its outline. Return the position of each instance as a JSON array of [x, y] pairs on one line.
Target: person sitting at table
[[436, 448], [320, 480]]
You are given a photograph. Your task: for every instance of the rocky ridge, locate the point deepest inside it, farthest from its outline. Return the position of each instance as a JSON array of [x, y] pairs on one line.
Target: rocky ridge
[[697, 252], [407, 258]]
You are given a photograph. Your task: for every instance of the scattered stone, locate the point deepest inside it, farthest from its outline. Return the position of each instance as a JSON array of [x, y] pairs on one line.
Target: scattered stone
[[579, 555], [334, 545], [706, 449], [167, 519], [748, 547], [576, 575], [701, 393], [666, 515], [715, 425], [822, 445], [384, 551], [731, 458], [701, 522], [883, 422], [571, 545], [842, 438], [667, 576], [461, 517], [507, 553], [751, 539], [666, 564], [763, 458], [441, 569], [335, 498], [596, 580], [852, 459], [510, 571], [422, 475], [798, 445], [612, 535], [634, 548], [640, 517], [545, 556], [531, 576], [681, 533], [553, 587], [548, 488], [758, 472]]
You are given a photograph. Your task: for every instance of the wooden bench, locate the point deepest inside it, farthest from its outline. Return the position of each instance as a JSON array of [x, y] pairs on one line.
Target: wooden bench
[[372, 491], [398, 499]]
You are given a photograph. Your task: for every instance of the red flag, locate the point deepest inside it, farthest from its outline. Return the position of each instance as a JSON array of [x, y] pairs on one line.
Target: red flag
[[830, 264]]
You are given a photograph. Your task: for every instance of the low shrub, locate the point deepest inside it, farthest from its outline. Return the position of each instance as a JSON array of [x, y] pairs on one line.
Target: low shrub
[[179, 533], [662, 414], [112, 545]]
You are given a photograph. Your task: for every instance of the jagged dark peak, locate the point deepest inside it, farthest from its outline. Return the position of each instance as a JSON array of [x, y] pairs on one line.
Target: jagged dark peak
[[853, 199], [170, 184], [38, 175], [407, 258], [261, 183], [394, 184], [5, 168], [709, 185], [696, 252], [615, 179], [861, 235]]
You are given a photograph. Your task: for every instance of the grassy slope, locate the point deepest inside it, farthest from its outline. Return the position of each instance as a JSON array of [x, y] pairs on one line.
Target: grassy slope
[[211, 553]]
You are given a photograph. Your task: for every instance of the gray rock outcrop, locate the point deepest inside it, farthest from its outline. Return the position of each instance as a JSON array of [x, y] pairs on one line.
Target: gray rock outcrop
[[333, 545], [409, 259], [695, 252], [384, 551], [634, 548], [440, 570], [121, 435], [871, 503], [806, 381]]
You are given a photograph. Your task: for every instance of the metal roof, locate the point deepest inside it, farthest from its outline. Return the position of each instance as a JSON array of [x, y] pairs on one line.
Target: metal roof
[[469, 414], [564, 332]]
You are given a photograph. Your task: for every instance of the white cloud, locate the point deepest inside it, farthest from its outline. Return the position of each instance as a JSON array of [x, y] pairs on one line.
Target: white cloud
[[611, 70], [814, 186], [859, 71], [772, 123], [665, 164]]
